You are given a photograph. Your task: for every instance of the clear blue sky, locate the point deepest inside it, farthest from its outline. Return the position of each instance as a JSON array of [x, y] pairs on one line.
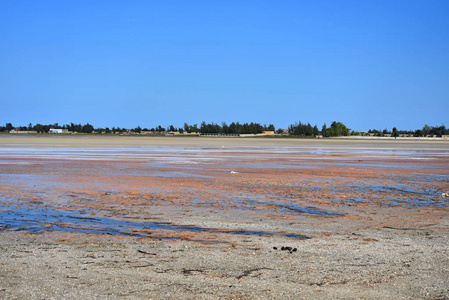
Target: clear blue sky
[[369, 64]]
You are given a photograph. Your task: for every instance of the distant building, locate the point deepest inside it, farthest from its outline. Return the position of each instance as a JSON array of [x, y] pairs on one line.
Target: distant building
[[53, 130], [22, 131]]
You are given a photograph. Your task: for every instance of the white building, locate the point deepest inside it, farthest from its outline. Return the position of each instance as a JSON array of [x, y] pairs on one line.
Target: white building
[[52, 130]]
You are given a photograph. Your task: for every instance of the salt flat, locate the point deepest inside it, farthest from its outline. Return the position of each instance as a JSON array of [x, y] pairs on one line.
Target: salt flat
[[194, 217]]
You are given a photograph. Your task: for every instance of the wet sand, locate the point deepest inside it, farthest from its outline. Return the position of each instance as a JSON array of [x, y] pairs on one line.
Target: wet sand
[[186, 217]]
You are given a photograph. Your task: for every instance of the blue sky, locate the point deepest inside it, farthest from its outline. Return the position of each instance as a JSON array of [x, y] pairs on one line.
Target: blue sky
[[369, 64]]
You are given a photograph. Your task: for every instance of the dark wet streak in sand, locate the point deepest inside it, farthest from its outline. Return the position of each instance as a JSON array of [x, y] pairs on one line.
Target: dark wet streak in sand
[[40, 219]]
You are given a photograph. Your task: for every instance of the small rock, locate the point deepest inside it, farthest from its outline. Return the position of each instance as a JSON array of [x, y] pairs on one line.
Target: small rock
[[287, 248]]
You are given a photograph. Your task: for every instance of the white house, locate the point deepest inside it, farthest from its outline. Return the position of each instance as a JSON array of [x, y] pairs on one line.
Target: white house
[[52, 130]]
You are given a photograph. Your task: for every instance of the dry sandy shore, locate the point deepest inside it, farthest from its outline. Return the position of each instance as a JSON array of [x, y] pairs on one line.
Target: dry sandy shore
[[205, 218]]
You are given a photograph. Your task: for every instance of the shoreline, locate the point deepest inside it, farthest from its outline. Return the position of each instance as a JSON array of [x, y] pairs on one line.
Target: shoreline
[[245, 136]]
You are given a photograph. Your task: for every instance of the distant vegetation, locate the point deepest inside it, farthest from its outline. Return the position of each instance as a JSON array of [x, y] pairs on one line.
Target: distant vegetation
[[234, 128], [336, 129], [204, 128], [425, 131]]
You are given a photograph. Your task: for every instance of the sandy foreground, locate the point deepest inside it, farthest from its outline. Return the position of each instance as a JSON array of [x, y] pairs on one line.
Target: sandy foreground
[[222, 218]]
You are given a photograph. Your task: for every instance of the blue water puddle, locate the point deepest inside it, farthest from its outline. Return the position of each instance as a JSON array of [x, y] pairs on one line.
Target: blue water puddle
[[419, 177], [31, 181], [431, 177], [250, 203], [164, 174], [377, 165], [20, 177], [271, 165], [154, 172], [170, 166], [177, 174], [404, 189], [38, 218], [414, 203], [354, 200], [305, 210], [397, 201]]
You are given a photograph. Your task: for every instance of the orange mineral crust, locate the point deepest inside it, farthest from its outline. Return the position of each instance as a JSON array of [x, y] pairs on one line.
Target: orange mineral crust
[[132, 179]]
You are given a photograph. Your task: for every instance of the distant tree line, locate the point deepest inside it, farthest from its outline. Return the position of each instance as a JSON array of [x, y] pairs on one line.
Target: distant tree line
[[86, 128], [224, 128], [302, 129], [297, 129], [423, 132]]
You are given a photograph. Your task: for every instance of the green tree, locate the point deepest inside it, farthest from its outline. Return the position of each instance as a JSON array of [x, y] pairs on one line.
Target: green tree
[[224, 127], [418, 133], [309, 130], [280, 131], [39, 128], [394, 132], [138, 129], [87, 128], [187, 128], [324, 130], [426, 130], [203, 128], [233, 128], [339, 129], [194, 128]]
